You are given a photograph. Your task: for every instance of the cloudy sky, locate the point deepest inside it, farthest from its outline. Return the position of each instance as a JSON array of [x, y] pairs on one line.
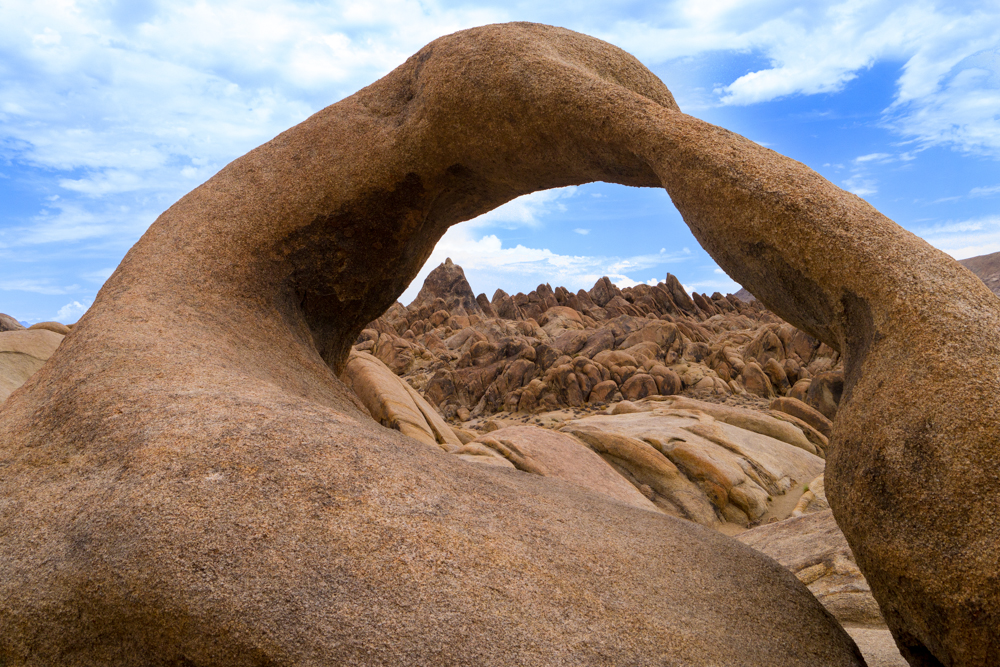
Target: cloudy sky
[[112, 110]]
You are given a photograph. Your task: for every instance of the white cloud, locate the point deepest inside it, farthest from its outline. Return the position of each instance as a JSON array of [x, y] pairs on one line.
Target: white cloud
[[70, 222], [948, 89], [71, 312], [623, 281], [489, 265], [98, 276], [873, 157], [36, 286], [526, 210], [965, 238], [582, 232], [985, 191], [861, 185]]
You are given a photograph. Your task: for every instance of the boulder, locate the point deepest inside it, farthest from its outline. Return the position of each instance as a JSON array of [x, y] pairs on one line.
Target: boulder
[[824, 393], [8, 323], [806, 413], [750, 420], [639, 386], [22, 353], [395, 404], [756, 381], [725, 473], [815, 550], [54, 327], [561, 456]]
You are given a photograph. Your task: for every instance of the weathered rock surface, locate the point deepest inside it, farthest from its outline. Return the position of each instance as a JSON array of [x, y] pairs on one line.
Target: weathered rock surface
[[394, 404], [8, 323], [560, 456], [814, 548], [56, 327], [986, 268], [695, 466], [188, 481], [552, 349], [22, 353]]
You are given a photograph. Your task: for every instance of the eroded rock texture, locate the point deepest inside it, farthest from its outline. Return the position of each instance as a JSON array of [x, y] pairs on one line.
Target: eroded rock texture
[[551, 349], [216, 496]]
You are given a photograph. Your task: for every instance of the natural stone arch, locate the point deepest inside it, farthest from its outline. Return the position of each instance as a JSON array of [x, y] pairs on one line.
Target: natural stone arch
[[187, 437]]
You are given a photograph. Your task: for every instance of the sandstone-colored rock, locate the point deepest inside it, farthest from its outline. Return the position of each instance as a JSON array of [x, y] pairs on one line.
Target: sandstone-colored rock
[[813, 499], [776, 374], [482, 454], [602, 392], [806, 413], [8, 323], [756, 381], [815, 550], [737, 472], [561, 456], [877, 646], [395, 404], [800, 389], [557, 319], [22, 353], [448, 283], [649, 470], [55, 327], [824, 393], [185, 483], [639, 386], [745, 419]]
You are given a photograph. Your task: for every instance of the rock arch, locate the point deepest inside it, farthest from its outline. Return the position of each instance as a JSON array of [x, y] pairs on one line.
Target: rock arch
[[188, 479]]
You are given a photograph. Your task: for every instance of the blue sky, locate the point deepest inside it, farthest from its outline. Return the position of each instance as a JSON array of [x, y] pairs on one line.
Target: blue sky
[[111, 111]]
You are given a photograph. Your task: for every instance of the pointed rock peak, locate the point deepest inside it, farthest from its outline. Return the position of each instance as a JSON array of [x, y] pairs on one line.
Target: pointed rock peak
[[681, 297], [603, 291], [447, 282]]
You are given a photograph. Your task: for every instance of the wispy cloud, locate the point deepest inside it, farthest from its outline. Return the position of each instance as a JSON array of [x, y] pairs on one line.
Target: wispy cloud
[[36, 286], [528, 210], [965, 238], [488, 264], [985, 191], [72, 311]]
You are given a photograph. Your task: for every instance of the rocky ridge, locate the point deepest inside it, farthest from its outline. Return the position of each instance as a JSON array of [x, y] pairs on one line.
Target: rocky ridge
[[986, 268], [473, 357]]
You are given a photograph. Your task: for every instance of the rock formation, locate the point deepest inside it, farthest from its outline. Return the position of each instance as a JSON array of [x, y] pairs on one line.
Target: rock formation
[[573, 352], [216, 496], [8, 323], [22, 353], [986, 268]]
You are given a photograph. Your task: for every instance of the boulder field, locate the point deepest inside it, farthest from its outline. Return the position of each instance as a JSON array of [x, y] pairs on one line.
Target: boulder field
[[472, 357], [187, 481]]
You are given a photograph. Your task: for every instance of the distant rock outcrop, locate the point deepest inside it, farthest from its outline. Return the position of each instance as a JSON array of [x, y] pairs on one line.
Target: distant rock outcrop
[[8, 323], [986, 268], [22, 353], [573, 352], [446, 288]]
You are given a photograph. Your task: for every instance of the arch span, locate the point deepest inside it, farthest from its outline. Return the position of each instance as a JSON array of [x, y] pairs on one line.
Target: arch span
[[187, 475]]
